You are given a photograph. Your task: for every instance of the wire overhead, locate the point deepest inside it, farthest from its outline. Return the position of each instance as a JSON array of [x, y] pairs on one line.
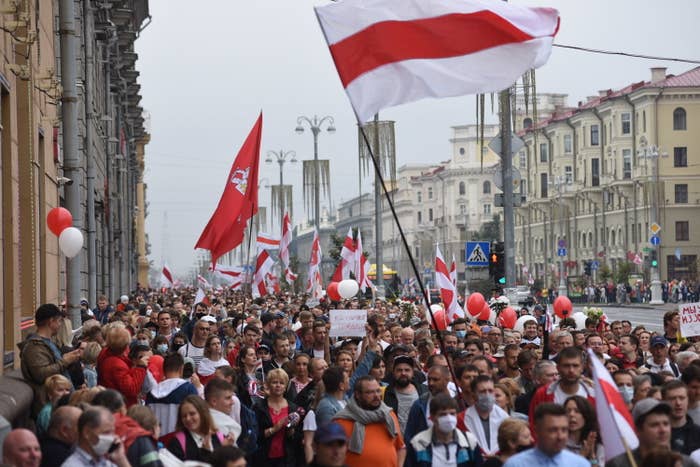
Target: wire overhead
[[626, 54]]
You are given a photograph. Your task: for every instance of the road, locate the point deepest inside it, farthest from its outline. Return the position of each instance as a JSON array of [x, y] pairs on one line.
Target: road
[[650, 318]]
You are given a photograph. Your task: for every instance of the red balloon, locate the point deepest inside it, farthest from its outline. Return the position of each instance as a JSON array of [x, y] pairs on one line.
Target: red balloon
[[332, 292], [507, 318], [563, 307], [440, 320], [485, 314], [475, 303], [59, 219]]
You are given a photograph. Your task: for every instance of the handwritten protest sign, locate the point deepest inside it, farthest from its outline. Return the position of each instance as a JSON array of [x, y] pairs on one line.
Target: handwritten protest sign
[[348, 323], [690, 319]]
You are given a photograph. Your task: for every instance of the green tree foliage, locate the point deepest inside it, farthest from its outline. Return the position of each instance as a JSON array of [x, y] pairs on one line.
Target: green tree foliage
[[489, 230]]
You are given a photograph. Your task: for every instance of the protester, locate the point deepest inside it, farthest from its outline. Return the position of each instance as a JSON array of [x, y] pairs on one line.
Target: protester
[[484, 417], [219, 395], [330, 446], [513, 437], [165, 398], [116, 371], [419, 415], [97, 444], [401, 394], [21, 449], [583, 430], [213, 358], [685, 434], [61, 436], [335, 382], [228, 456]]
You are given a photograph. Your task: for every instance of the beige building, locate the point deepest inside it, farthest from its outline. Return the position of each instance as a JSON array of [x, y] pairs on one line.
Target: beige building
[[599, 175]]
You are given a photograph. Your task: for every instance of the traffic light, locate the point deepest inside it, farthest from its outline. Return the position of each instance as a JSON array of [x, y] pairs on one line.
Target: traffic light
[[587, 268], [653, 259], [497, 263]]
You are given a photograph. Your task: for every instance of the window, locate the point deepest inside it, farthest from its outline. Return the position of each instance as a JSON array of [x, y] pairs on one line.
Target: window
[[681, 190], [682, 231], [595, 135], [487, 187], [523, 159], [461, 151], [419, 196], [419, 217], [487, 209], [679, 122], [462, 208], [626, 121], [430, 215], [595, 172], [430, 192], [627, 164], [569, 174], [543, 185], [462, 188], [644, 121], [544, 152], [568, 144], [680, 157], [527, 123]]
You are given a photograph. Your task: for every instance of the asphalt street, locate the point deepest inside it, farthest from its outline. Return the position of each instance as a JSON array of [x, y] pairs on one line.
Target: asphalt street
[[650, 317]]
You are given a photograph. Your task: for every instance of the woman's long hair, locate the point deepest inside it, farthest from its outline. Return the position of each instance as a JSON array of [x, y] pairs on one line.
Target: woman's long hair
[[206, 423], [590, 421]]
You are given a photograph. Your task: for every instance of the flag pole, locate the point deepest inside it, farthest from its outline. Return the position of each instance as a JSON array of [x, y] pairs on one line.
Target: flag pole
[[247, 261], [630, 456], [426, 297]]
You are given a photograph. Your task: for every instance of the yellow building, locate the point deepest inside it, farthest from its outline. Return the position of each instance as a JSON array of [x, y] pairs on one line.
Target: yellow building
[[28, 165], [600, 175]]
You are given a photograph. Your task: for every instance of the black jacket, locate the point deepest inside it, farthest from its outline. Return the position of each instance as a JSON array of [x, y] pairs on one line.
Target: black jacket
[[192, 452], [54, 452], [686, 439], [292, 440], [392, 401]]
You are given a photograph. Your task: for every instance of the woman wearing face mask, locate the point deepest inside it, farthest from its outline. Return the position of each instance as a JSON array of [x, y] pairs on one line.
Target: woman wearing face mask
[[442, 443], [195, 436], [178, 341], [583, 430], [213, 358], [513, 437], [160, 345]]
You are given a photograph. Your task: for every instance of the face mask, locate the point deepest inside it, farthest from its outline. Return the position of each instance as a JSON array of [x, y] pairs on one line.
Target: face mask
[[103, 444], [524, 448], [449, 348], [461, 334], [143, 343], [162, 348], [485, 402], [627, 393], [153, 334], [177, 346], [447, 423]]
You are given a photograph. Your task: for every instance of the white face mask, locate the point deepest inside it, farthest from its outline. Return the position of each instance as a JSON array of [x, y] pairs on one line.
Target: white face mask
[[447, 423], [104, 442]]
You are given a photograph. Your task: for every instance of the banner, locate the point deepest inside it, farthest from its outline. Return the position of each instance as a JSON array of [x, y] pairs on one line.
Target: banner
[[690, 319], [348, 323]]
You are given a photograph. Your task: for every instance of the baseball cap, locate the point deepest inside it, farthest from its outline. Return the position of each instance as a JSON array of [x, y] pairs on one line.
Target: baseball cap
[[330, 432], [83, 301], [47, 311], [208, 319], [264, 348], [279, 315], [403, 359], [267, 317], [124, 299], [647, 406], [658, 340]]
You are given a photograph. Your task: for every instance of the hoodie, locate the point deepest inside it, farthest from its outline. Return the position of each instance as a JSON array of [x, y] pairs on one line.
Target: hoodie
[[165, 398], [139, 443]]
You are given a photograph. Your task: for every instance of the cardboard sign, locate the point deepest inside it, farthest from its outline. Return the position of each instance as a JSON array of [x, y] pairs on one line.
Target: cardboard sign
[[690, 319], [348, 323]]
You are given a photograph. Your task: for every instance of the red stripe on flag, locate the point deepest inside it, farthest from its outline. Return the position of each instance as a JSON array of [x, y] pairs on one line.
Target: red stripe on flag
[[445, 36], [441, 267], [166, 273]]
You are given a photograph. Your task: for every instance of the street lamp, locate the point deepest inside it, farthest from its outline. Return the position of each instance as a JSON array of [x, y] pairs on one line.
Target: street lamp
[[559, 183], [316, 125], [650, 151], [281, 157]]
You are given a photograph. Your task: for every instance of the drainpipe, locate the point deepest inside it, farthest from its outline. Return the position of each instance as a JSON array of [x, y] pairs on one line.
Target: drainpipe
[[71, 160], [602, 172], [90, 153]]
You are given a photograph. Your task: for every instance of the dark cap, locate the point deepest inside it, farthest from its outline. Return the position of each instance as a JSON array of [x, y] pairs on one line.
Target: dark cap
[[45, 312], [280, 315], [658, 340], [330, 432], [264, 347], [404, 359], [266, 318], [647, 406]]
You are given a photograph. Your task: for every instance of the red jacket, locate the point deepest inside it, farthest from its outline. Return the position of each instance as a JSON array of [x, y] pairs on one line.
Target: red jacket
[[118, 373], [546, 394]]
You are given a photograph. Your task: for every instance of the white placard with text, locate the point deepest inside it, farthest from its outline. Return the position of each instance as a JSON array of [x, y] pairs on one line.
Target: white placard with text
[[690, 319], [348, 323]]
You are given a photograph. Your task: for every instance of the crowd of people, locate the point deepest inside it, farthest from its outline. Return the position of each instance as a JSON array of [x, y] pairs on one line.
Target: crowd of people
[[157, 380]]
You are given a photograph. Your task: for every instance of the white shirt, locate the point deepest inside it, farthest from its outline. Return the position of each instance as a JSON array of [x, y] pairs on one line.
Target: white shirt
[[560, 396], [445, 455]]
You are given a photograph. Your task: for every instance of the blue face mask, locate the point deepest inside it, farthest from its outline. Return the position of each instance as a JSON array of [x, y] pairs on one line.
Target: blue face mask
[[162, 348], [461, 334]]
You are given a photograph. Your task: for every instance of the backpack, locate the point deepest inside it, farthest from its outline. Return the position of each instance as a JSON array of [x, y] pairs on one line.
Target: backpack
[[248, 441]]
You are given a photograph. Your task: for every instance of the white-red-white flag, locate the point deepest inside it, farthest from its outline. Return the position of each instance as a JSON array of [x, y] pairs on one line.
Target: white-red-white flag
[[285, 241], [453, 272], [314, 284], [263, 265], [267, 241], [201, 297], [614, 419], [362, 266], [389, 53], [273, 282], [202, 282], [231, 275], [448, 293], [166, 277]]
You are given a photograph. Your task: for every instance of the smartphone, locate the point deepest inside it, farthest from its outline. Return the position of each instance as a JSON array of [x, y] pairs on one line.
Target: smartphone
[[113, 447]]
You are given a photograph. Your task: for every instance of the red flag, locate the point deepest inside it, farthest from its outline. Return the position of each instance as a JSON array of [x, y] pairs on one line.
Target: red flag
[[448, 293], [238, 203]]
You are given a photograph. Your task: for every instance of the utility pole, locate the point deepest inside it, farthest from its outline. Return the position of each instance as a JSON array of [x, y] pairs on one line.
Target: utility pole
[[379, 257], [507, 168]]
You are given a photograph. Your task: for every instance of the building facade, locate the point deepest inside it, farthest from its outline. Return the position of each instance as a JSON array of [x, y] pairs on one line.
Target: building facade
[[600, 175]]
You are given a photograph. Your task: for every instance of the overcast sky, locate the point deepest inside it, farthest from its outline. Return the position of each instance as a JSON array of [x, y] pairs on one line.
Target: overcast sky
[[207, 69]]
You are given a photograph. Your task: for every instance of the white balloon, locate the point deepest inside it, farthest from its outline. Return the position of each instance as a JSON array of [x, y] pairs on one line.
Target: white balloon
[[71, 241], [435, 307], [520, 323], [348, 288], [580, 319]]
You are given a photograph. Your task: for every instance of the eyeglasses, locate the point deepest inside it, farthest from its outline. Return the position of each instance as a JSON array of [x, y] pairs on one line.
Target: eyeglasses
[[203, 329]]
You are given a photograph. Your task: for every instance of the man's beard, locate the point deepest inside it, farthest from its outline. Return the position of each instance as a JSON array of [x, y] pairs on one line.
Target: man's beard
[[368, 406], [402, 382]]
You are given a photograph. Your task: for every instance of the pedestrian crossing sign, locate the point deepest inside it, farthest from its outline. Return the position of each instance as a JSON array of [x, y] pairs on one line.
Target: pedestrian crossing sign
[[477, 253]]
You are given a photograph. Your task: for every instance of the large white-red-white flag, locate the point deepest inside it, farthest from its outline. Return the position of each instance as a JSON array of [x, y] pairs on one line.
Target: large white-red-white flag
[[389, 53], [267, 241], [263, 265], [362, 266], [285, 241], [614, 420], [202, 282], [166, 277], [232, 276], [347, 259], [314, 284], [448, 292]]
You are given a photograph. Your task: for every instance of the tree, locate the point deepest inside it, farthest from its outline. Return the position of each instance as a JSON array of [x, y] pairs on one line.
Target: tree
[[489, 230], [622, 272]]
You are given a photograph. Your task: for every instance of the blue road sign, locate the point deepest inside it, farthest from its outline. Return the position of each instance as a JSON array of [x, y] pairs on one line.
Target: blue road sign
[[595, 265], [477, 253], [655, 240], [561, 252], [561, 243]]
